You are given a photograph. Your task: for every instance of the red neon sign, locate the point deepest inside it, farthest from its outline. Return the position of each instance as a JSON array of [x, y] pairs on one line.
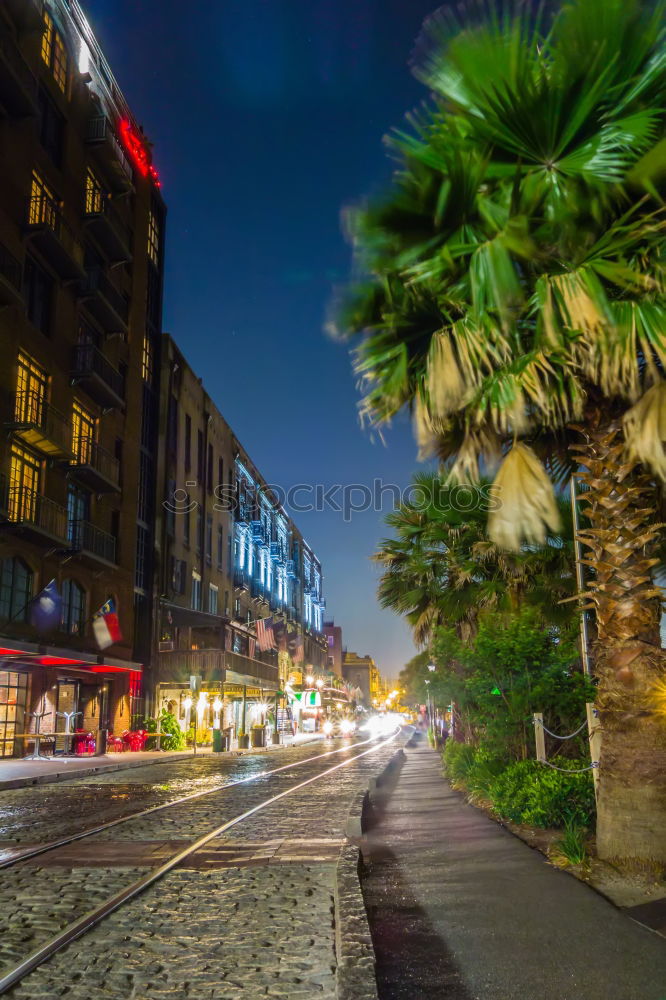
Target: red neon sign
[[138, 150]]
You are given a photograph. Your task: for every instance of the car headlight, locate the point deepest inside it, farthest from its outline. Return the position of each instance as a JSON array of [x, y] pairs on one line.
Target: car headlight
[[327, 728]]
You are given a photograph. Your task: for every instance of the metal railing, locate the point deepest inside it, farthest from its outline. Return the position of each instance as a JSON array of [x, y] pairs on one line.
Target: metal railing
[[241, 664], [86, 537], [97, 282], [101, 206], [89, 360], [31, 409], [181, 663], [98, 130], [45, 211], [27, 506], [89, 452], [10, 268], [241, 579]]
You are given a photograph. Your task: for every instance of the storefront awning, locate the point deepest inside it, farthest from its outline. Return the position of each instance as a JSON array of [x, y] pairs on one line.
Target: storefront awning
[[31, 655]]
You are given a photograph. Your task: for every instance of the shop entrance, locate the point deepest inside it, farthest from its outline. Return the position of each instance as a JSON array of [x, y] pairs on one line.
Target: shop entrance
[[67, 701], [13, 700]]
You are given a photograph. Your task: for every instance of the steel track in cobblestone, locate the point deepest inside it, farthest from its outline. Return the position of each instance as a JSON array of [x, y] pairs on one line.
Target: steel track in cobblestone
[[53, 845], [90, 920]]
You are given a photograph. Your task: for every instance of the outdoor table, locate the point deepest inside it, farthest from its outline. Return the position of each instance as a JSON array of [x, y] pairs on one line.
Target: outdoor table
[[37, 737]]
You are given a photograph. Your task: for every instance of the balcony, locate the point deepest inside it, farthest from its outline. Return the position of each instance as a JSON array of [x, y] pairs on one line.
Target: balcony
[[241, 579], [277, 553], [38, 516], [10, 278], [93, 545], [217, 665], [103, 383], [18, 87], [258, 531], [245, 670], [105, 302], [96, 467], [41, 426], [101, 136], [53, 237], [242, 512], [291, 569], [26, 14], [108, 231], [4, 497]]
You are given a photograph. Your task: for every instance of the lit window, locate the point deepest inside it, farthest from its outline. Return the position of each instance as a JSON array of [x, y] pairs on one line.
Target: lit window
[[73, 607], [212, 598], [54, 52], [94, 194], [196, 591], [83, 434], [147, 360], [42, 203], [31, 383], [24, 475], [153, 238]]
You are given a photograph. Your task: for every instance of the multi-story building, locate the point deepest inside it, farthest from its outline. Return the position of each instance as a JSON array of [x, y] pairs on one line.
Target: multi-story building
[[362, 672], [334, 651], [228, 555], [81, 247]]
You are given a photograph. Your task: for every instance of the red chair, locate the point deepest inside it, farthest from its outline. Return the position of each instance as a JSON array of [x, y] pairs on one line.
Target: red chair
[[84, 743], [137, 740], [114, 744]]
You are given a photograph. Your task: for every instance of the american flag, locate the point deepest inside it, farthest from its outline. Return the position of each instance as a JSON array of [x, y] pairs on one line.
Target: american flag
[[265, 637]]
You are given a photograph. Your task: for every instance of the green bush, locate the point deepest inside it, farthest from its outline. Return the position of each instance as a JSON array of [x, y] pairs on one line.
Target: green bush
[[172, 738], [483, 772], [532, 793], [458, 759]]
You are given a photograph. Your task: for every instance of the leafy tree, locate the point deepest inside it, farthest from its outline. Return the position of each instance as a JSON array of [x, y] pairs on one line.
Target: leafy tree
[[515, 302]]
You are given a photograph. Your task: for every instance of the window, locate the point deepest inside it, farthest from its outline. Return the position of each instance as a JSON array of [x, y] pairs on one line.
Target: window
[[220, 473], [209, 539], [186, 523], [142, 551], [220, 547], [24, 481], [31, 383], [43, 204], [154, 238], [15, 589], [209, 469], [54, 53], [188, 442], [178, 576], [237, 607], [196, 591], [51, 127], [73, 607], [212, 598], [83, 434], [226, 604], [200, 457], [172, 427], [94, 193], [147, 359], [145, 493], [38, 294], [200, 530], [78, 512]]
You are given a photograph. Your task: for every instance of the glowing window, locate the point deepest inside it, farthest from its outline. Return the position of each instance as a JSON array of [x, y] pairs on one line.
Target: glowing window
[[24, 474], [94, 194], [54, 52], [147, 360], [83, 434], [153, 238], [42, 202], [31, 383]]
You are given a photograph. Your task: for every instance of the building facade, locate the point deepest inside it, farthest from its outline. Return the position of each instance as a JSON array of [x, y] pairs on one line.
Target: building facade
[[335, 650], [227, 556], [361, 672], [81, 248]]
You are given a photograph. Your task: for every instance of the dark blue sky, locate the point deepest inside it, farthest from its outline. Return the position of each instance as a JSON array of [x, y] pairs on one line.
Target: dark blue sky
[[267, 117]]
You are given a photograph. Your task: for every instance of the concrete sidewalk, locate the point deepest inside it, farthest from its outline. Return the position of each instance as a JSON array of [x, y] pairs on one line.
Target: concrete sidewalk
[[460, 909], [18, 773]]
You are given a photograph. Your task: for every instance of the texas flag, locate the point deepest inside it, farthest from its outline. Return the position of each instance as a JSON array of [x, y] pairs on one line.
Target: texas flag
[[106, 625]]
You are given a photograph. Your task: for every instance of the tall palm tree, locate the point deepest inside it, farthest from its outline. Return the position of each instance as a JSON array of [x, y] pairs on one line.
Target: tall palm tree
[[515, 302], [440, 568]]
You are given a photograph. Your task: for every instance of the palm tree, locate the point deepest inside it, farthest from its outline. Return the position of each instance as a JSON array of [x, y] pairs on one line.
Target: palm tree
[[440, 568], [515, 302]]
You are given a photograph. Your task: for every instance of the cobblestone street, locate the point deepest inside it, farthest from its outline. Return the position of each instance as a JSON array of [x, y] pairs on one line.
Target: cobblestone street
[[252, 914]]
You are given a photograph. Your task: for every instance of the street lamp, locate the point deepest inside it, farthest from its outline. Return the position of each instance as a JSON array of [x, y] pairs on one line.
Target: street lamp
[[309, 679]]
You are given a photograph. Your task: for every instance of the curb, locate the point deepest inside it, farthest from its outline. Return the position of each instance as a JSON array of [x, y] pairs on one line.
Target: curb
[[355, 954]]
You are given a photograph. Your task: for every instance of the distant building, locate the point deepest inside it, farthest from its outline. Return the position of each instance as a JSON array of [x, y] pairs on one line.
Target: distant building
[[335, 653], [362, 672]]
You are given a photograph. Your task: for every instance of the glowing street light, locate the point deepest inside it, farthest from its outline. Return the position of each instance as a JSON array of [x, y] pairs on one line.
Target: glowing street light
[[309, 679]]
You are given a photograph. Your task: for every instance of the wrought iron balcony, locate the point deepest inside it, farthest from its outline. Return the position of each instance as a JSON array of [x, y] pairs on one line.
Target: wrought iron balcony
[[41, 426], [18, 86], [105, 302], [241, 579], [219, 665], [97, 376], [91, 543], [248, 670], [277, 552], [258, 531], [292, 569], [107, 229], [95, 466], [53, 236], [10, 278], [37, 515], [110, 152]]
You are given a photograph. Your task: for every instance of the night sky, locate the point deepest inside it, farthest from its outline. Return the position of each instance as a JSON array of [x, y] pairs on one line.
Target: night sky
[[267, 116]]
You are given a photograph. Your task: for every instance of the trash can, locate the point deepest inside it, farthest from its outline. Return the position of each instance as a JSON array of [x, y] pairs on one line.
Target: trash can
[[219, 741], [101, 742]]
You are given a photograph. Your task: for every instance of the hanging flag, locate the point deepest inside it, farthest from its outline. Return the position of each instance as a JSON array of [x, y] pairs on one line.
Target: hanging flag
[[295, 646], [106, 627], [280, 635], [299, 655], [251, 646], [46, 611], [265, 634]]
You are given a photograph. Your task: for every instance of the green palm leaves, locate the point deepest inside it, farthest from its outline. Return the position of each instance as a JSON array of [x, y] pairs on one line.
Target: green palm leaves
[[515, 271]]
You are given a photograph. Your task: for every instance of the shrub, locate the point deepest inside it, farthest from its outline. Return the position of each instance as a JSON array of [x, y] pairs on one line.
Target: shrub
[[571, 847], [458, 759], [532, 793], [172, 737], [483, 772]]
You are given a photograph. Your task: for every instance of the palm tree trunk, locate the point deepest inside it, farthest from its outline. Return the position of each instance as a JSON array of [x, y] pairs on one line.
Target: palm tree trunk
[[629, 663]]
